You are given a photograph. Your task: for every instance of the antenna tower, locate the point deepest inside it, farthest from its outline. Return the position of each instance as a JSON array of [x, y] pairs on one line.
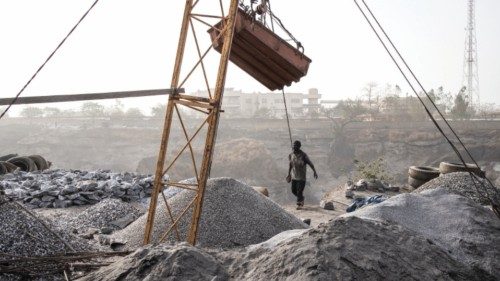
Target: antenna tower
[[471, 76]]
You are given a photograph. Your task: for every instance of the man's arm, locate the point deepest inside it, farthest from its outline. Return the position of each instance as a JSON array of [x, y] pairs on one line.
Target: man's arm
[[308, 162], [289, 164]]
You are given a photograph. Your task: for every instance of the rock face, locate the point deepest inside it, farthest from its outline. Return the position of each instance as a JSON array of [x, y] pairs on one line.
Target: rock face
[[234, 214], [469, 232], [350, 249], [164, 262]]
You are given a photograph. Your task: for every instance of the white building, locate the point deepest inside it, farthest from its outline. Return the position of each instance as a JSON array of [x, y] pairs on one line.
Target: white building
[[239, 104]]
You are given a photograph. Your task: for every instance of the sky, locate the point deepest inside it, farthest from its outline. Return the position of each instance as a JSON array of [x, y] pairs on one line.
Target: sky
[[131, 45]]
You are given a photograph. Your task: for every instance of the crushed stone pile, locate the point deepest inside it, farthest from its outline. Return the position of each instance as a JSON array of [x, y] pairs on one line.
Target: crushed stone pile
[[234, 214], [163, 262], [461, 184], [23, 235], [109, 213], [469, 232], [64, 188], [349, 249]]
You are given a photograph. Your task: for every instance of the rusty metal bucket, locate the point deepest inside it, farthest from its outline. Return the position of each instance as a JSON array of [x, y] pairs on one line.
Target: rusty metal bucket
[[262, 54]]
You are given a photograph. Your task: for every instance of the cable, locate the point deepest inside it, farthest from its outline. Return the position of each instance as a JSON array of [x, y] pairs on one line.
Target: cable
[[47, 60], [287, 119], [494, 205]]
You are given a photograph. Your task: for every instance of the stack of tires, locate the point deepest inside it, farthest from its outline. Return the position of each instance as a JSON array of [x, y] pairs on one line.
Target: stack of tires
[[418, 175], [11, 163]]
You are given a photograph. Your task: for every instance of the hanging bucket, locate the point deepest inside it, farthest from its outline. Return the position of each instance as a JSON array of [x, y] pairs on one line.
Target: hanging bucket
[[262, 54]]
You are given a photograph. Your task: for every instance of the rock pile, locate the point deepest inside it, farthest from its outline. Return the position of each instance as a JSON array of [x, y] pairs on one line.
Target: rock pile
[[25, 235], [234, 214], [467, 231], [461, 183], [64, 188]]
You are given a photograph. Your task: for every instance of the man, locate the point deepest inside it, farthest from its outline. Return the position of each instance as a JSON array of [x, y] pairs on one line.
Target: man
[[297, 172]]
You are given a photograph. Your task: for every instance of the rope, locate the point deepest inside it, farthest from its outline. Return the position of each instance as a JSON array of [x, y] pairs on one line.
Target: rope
[[287, 118], [47, 60], [457, 152]]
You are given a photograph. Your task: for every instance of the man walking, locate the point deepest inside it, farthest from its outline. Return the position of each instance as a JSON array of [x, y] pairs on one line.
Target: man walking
[[297, 172]]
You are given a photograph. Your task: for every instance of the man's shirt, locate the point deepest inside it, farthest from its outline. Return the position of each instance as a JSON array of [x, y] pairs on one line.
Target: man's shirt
[[299, 162]]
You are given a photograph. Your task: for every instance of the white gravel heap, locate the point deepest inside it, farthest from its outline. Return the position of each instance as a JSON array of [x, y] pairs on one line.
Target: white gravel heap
[[23, 235], [109, 213], [467, 231], [461, 183], [234, 214]]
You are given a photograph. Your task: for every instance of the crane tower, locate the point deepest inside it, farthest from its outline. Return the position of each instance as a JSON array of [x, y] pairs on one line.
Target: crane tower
[[471, 76]]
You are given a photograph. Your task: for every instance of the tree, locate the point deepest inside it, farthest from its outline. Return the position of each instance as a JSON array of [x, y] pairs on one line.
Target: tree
[[461, 108], [92, 109], [51, 112], [31, 112], [159, 111], [369, 90], [134, 112]]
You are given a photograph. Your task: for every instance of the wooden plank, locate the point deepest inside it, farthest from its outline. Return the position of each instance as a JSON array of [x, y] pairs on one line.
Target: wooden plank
[[85, 97]]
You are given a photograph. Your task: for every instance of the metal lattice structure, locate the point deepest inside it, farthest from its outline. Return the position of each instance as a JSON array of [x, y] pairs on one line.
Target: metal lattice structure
[[471, 76], [195, 12]]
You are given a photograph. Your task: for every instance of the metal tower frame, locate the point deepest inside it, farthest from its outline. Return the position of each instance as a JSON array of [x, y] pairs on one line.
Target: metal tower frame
[[210, 106], [471, 76]]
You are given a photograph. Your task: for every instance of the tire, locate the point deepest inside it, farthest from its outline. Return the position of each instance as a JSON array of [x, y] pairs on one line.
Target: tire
[[7, 157], [447, 167], [10, 167], [415, 183], [24, 163], [40, 162], [424, 173], [3, 169]]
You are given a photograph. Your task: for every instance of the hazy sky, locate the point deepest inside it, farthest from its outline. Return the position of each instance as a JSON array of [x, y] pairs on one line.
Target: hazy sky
[[131, 45]]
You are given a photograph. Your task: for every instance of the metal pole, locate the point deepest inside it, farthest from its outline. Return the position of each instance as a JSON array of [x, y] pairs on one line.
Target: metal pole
[[168, 123], [213, 121]]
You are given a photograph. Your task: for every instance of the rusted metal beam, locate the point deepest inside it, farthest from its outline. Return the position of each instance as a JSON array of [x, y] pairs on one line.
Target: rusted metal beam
[[93, 96], [157, 186]]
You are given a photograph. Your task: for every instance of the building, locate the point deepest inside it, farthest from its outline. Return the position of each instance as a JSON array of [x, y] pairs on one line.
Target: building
[[236, 103]]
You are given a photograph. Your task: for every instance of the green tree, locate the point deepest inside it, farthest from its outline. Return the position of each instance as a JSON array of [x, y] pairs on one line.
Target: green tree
[[92, 109], [31, 112], [51, 112], [158, 111], [134, 112], [461, 108]]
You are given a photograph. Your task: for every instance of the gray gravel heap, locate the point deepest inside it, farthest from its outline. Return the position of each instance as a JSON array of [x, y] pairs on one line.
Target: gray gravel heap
[[467, 231], [163, 262], [23, 235], [65, 188], [349, 249], [109, 213], [234, 214], [460, 183]]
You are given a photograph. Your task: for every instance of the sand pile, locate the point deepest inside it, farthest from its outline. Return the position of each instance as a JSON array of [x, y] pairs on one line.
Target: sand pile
[[233, 215], [469, 232], [350, 249], [460, 183], [164, 262]]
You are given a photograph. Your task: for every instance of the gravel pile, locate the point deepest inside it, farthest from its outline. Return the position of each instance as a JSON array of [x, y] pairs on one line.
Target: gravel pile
[[163, 262], [234, 214], [64, 188], [23, 235], [109, 213], [460, 183], [349, 249], [467, 231]]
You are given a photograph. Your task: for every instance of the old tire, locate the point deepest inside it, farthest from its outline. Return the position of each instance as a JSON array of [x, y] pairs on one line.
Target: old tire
[[7, 157], [423, 173], [40, 162], [261, 190], [415, 183], [447, 167], [3, 169], [24, 163], [10, 167]]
